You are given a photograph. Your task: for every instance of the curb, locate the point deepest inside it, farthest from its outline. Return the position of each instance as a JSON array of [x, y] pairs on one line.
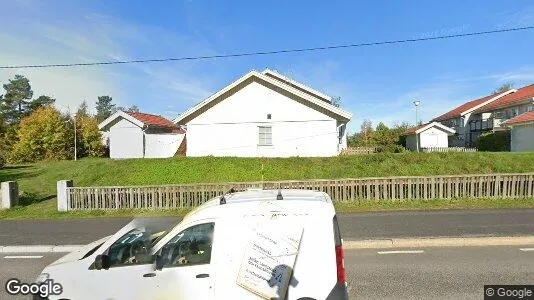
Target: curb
[[347, 245], [439, 242]]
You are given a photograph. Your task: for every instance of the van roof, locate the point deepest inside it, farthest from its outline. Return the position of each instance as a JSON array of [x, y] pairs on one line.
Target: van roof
[[248, 200]]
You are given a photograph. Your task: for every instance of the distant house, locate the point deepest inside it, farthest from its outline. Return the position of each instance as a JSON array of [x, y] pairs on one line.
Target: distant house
[[522, 135], [265, 114], [492, 116], [431, 135], [140, 135], [460, 119]]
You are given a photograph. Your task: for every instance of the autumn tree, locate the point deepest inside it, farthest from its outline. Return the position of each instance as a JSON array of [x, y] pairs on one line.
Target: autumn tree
[[89, 138], [44, 134]]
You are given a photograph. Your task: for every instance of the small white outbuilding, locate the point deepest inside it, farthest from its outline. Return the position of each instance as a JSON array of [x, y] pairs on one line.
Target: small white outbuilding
[[430, 135], [140, 135], [522, 132]]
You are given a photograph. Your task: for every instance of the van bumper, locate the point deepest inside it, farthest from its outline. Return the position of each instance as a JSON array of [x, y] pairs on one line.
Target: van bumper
[[339, 292]]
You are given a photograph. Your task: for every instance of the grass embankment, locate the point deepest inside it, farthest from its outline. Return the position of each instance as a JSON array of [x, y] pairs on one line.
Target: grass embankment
[[37, 182]]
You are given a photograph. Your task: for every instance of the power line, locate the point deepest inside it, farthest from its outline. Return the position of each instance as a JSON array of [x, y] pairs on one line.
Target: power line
[[116, 62]]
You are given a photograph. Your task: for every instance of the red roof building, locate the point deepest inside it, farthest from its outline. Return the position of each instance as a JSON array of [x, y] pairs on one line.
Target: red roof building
[[462, 109], [517, 97], [152, 120], [523, 118]]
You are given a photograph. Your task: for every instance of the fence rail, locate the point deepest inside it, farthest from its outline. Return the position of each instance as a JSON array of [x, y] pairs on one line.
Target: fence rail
[[343, 190], [449, 149], [358, 150]]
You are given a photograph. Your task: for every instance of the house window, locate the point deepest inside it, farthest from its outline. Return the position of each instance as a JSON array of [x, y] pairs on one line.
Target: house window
[[265, 136], [268, 116]]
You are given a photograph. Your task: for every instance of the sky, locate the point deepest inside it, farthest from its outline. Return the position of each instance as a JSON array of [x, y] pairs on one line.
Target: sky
[[377, 83]]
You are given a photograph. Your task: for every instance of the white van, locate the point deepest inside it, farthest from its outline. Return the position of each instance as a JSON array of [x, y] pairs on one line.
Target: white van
[[257, 244]]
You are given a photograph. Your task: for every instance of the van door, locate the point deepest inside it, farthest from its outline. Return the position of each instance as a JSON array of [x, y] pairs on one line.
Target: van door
[[187, 267]]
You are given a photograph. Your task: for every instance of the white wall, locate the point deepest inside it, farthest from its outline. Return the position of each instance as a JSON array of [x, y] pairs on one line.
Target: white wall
[[522, 138], [125, 140], [162, 145], [433, 137], [230, 128]]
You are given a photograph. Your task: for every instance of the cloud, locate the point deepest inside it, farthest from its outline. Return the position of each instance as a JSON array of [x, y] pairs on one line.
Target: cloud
[[98, 37]]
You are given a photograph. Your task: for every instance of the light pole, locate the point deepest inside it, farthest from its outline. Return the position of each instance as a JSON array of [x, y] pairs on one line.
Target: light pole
[[75, 140], [75, 133], [416, 103]]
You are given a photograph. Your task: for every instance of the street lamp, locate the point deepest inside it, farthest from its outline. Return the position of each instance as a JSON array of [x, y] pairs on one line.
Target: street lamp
[[75, 133], [416, 103]]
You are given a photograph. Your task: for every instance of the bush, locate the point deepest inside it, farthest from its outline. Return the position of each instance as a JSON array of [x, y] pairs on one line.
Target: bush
[[494, 141], [2, 161]]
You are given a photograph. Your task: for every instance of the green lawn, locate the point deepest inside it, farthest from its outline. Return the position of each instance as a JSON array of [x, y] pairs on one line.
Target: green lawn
[[37, 182]]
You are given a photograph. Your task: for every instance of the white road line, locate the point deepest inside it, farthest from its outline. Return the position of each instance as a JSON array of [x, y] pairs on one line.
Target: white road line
[[401, 252], [22, 256], [526, 249]]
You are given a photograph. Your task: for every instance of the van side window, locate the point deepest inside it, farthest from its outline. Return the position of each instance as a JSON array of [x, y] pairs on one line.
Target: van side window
[[189, 247], [132, 248]]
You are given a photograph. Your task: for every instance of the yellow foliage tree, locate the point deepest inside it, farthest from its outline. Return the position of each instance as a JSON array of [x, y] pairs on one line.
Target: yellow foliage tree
[[43, 135], [89, 137]]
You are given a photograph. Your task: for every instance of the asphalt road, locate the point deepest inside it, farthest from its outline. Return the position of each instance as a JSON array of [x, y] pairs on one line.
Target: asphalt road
[[435, 273], [358, 226]]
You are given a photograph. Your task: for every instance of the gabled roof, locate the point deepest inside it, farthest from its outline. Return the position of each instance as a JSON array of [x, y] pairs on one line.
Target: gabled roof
[[470, 106], [141, 120], [423, 127], [314, 101], [519, 96], [151, 120], [297, 85], [527, 117]]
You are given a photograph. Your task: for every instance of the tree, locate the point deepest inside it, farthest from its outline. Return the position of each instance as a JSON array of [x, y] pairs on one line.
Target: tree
[[16, 99], [504, 87], [104, 108], [44, 134], [336, 101], [83, 110], [41, 102], [133, 109], [89, 137]]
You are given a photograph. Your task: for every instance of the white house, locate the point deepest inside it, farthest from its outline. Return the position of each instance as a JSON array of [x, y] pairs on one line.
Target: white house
[[140, 135], [431, 135], [265, 114], [466, 122], [522, 133]]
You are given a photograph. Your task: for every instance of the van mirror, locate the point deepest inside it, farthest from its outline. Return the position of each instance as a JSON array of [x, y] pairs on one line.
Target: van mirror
[[102, 262], [159, 262]]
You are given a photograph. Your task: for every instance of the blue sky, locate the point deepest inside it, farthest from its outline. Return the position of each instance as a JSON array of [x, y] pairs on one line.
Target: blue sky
[[377, 83]]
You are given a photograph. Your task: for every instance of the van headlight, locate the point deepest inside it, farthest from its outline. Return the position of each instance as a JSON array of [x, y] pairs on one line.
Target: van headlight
[[42, 278]]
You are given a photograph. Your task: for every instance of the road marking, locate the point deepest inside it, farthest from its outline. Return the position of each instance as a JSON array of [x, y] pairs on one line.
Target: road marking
[[401, 252], [22, 256], [526, 249]]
